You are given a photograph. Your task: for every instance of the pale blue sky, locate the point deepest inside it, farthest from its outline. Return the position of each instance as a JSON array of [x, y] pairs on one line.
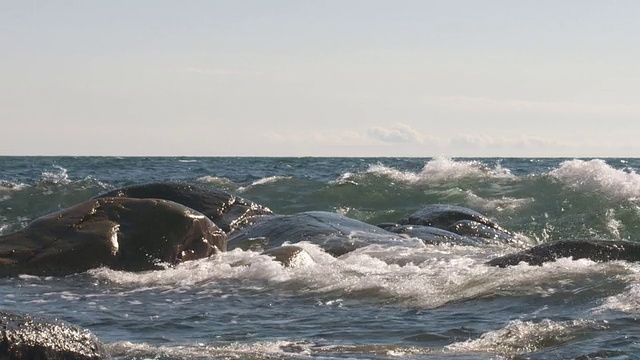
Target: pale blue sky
[[320, 78]]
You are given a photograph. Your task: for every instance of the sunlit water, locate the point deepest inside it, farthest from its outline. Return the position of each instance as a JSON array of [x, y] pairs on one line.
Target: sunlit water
[[410, 301]]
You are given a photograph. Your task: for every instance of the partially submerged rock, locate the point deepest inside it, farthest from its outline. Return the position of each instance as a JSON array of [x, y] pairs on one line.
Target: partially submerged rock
[[120, 233], [24, 337], [227, 211], [595, 250], [430, 235], [444, 216], [480, 232], [334, 233]]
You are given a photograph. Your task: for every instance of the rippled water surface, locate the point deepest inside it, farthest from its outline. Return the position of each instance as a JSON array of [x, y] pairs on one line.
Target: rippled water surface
[[415, 302]]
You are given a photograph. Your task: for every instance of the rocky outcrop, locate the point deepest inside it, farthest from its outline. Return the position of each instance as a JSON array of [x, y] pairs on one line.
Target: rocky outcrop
[[227, 211], [24, 337], [120, 233]]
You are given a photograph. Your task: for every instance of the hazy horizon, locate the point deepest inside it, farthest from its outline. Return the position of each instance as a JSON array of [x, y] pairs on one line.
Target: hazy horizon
[[322, 79]]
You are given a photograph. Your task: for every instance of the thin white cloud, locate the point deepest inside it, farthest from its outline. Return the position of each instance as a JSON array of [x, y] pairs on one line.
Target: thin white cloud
[[484, 141], [338, 138], [467, 103], [399, 133], [218, 71]]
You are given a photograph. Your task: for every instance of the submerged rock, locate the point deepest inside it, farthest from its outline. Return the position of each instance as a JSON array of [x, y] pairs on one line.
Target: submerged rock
[[430, 235], [595, 250], [479, 231], [445, 216], [227, 211], [24, 337], [334, 233], [121, 233]]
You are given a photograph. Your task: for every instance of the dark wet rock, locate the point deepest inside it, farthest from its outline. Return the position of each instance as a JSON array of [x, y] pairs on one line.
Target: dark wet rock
[[25, 337], [595, 250], [470, 228], [430, 235], [120, 233], [227, 211], [444, 216], [335, 233]]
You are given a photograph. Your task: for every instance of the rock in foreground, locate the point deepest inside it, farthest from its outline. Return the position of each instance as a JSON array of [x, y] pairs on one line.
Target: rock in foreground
[[25, 337], [120, 233]]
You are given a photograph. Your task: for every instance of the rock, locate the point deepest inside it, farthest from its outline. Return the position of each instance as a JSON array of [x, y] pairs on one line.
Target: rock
[[24, 337], [595, 250], [444, 216], [120, 233], [470, 228], [334, 233], [430, 235], [227, 211]]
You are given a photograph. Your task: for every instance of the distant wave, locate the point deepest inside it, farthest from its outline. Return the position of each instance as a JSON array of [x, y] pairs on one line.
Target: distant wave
[[443, 169], [214, 180], [263, 181], [55, 177]]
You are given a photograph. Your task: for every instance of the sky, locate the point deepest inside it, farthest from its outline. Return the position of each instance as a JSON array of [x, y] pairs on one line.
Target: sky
[[320, 78]]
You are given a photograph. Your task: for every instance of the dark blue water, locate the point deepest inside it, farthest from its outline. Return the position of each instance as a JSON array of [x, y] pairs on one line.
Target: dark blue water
[[377, 302]]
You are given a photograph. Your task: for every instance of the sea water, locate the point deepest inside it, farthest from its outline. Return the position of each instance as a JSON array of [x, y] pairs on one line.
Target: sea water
[[411, 300]]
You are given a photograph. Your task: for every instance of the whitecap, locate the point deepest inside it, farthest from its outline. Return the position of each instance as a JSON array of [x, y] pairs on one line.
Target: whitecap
[[51, 177], [425, 277], [501, 204], [442, 169], [263, 181], [596, 175]]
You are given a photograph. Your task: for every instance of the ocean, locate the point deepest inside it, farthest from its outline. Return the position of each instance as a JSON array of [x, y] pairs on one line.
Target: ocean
[[377, 302]]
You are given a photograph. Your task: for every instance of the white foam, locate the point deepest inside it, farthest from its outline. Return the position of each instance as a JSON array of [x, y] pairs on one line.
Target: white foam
[[267, 349], [443, 169], [214, 180], [425, 277], [597, 175], [629, 300], [504, 203], [8, 186], [526, 336], [263, 181], [60, 177]]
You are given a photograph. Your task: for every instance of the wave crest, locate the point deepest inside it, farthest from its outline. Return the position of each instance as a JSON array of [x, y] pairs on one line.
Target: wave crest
[[597, 175], [442, 169]]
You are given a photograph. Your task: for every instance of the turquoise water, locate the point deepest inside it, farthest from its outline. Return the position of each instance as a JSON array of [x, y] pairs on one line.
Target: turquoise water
[[377, 302]]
